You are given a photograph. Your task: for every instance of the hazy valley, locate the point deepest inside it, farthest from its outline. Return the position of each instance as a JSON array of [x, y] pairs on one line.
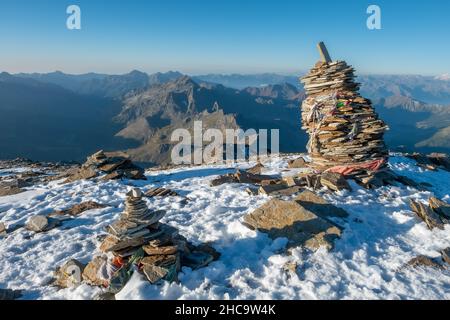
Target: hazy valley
[[57, 116]]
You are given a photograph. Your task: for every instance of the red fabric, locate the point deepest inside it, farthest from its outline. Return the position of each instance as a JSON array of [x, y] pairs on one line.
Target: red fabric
[[346, 170]]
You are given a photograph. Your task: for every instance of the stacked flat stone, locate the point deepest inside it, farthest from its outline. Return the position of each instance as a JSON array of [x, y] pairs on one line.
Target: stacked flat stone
[[344, 128], [137, 221], [112, 165]]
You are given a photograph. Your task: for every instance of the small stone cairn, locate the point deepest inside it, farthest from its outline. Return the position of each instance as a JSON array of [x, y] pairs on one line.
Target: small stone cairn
[[138, 241]]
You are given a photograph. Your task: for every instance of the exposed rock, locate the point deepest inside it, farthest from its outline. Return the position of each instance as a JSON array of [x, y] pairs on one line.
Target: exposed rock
[[83, 174], [154, 273], [290, 181], [10, 191], [139, 240], [385, 177], [160, 192], [91, 274], [160, 260], [424, 212], [114, 164], [252, 191], [228, 178], [286, 192], [371, 182], [343, 127], [80, 208], [409, 182], [271, 188], [105, 296], [108, 243], [334, 181], [199, 256], [446, 255], [271, 181], [440, 207], [423, 161], [8, 294], [197, 259], [291, 220], [440, 159], [2, 230], [113, 176], [126, 244], [424, 261], [245, 177], [69, 275], [319, 205], [206, 248], [290, 267], [298, 163], [155, 250], [432, 161], [137, 220]]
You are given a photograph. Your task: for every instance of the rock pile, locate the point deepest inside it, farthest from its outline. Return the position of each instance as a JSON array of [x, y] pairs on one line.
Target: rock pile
[[343, 127], [115, 165], [139, 241]]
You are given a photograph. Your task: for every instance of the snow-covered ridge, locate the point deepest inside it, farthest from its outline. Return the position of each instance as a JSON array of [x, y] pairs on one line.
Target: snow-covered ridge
[[381, 234]]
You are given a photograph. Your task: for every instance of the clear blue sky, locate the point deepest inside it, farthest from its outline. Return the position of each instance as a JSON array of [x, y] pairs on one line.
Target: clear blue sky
[[202, 36]]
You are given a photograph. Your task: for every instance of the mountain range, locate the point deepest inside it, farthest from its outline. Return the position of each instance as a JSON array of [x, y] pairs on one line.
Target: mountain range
[[57, 116]]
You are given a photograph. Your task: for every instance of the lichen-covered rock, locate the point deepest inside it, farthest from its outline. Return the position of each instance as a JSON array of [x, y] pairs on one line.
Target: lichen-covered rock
[[289, 219]]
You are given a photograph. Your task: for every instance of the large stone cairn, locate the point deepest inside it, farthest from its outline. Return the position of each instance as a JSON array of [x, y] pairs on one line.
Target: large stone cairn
[[343, 126]]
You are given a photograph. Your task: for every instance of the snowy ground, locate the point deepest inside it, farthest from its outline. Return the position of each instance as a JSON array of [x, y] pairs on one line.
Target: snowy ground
[[381, 234]]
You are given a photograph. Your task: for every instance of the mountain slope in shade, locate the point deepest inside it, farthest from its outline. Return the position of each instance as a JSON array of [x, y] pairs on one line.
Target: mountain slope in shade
[[46, 122]]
